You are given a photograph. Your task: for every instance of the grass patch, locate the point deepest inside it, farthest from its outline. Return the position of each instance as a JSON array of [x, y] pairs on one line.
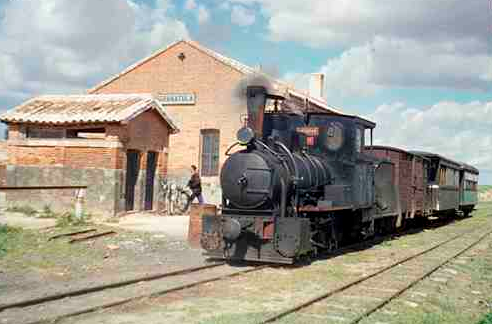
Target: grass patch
[[24, 209], [69, 219], [487, 319], [6, 234], [484, 188], [47, 213]]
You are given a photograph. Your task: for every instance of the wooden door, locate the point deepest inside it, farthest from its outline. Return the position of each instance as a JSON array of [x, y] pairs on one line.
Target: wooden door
[[149, 179], [132, 169]]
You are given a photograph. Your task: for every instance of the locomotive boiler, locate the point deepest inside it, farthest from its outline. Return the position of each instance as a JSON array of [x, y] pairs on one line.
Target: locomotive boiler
[[301, 184]]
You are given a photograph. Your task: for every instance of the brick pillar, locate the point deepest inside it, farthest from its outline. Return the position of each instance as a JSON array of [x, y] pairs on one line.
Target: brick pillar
[[195, 225]]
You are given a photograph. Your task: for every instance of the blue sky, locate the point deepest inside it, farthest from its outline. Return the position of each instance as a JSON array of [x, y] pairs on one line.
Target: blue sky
[[421, 69]]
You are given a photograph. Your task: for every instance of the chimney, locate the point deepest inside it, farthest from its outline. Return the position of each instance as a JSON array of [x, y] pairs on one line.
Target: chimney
[[317, 85]]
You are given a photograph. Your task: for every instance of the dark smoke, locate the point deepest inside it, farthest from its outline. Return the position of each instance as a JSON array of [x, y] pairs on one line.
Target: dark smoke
[[252, 80]]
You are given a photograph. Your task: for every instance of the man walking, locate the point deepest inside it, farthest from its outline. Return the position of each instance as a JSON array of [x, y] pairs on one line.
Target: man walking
[[195, 185]]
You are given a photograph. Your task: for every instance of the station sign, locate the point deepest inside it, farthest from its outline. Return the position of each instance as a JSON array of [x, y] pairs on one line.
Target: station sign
[[176, 98]]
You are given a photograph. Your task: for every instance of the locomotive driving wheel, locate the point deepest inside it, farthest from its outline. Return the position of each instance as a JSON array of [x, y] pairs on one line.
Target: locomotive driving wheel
[[324, 237]]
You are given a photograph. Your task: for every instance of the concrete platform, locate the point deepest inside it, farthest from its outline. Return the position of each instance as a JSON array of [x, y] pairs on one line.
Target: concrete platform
[[175, 227]]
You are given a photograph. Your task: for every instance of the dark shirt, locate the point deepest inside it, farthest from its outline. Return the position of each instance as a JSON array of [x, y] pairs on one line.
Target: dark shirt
[[195, 183]]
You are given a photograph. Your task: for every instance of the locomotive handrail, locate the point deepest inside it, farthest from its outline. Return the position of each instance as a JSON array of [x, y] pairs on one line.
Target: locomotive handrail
[[291, 157], [230, 148], [296, 173], [267, 148]]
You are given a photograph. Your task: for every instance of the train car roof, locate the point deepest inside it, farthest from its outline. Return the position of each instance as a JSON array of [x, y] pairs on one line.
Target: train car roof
[[396, 149], [449, 162], [364, 122], [470, 168]]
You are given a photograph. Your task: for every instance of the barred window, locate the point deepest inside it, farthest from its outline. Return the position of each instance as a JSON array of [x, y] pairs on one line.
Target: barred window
[[209, 152]]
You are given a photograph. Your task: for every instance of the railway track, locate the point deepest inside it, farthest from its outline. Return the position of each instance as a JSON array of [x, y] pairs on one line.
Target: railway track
[[358, 299], [81, 301], [76, 302]]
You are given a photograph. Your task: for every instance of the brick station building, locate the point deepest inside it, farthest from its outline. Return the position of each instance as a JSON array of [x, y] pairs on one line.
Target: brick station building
[[204, 92], [116, 145], [186, 86]]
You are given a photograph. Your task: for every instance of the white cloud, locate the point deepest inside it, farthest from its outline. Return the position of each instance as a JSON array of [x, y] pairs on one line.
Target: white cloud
[[459, 131], [385, 43], [203, 14], [224, 6], [357, 21], [65, 46], [242, 16], [383, 63], [190, 4]]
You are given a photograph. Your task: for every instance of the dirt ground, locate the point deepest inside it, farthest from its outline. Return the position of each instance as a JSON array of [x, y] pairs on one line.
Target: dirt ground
[[33, 265], [464, 297]]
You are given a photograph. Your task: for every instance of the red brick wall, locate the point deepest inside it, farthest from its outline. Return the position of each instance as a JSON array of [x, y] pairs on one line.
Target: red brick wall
[[218, 105], [3, 162], [75, 157], [147, 132]]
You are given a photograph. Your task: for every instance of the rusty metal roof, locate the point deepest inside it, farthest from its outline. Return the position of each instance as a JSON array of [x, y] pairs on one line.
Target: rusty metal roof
[[70, 109]]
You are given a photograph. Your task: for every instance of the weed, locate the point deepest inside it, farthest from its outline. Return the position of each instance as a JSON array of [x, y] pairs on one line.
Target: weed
[[47, 212], [69, 219], [24, 209], [113, 220], [6, 232], [487, 319]]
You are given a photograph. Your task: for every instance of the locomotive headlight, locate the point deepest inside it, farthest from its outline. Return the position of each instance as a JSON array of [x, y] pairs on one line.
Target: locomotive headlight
[[245, 135]]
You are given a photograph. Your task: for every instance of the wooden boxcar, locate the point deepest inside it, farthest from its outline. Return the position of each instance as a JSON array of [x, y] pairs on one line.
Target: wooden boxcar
[[410, 179]]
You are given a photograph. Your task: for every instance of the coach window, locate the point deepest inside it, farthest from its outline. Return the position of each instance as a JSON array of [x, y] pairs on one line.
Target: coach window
[[209, 148], [442, 176]]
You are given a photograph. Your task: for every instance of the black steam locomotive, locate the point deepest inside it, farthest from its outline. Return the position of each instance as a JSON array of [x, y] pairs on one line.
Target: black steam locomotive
[[301, 184]]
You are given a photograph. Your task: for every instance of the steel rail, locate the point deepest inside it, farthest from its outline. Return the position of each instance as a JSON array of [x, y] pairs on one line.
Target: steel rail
[[414, 282], [155, 294], [330, 293], [83, 291]]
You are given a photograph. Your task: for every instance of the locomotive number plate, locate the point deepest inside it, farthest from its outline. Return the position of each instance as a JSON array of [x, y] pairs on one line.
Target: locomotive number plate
[[308, 131]]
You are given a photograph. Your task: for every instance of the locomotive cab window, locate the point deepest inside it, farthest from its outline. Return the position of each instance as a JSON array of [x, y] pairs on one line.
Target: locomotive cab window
[[358, 140], [334, 136], [209, 149]]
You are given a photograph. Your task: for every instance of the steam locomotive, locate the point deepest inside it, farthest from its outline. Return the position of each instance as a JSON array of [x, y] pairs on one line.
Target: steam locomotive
[[304, 183]]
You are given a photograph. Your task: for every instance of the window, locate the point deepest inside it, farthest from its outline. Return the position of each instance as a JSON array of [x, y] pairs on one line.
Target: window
[[86, 133], [33, 132], [358, 139], [448, 177], [209, 152], [89, 133]]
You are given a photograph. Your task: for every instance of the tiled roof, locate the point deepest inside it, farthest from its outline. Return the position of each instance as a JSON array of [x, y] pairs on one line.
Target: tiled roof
[[69, 109]]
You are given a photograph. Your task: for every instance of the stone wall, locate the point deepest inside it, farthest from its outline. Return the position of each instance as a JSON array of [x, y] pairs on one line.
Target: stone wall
[[104, 195]]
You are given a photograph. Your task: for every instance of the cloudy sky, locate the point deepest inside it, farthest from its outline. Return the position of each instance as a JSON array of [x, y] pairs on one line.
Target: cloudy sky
[[421, 69]]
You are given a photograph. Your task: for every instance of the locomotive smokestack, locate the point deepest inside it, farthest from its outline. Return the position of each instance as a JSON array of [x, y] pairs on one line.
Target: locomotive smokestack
[[256, 101]]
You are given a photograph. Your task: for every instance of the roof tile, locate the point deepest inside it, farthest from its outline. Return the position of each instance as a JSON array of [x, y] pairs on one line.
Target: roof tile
[[69, 109]]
